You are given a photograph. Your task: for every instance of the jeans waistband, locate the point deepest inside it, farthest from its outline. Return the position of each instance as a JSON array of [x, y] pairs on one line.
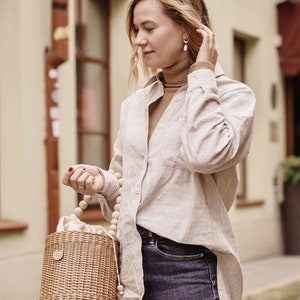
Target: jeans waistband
[[145, 233]]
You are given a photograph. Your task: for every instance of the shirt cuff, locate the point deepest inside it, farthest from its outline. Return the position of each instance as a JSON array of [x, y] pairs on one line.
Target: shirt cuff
[[202, 78], [111, 184], [202, 65]]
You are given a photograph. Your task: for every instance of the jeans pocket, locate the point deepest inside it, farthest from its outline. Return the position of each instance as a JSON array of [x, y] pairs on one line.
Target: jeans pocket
[[177, 251]]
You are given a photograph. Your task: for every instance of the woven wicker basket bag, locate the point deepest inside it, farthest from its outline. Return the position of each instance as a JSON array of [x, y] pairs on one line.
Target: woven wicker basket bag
[[81, 265]]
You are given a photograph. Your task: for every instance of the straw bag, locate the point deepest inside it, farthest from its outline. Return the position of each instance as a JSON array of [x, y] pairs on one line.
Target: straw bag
[[81, 260]]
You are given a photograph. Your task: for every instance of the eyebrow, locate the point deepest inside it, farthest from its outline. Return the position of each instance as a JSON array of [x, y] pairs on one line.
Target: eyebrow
[[144, 23]]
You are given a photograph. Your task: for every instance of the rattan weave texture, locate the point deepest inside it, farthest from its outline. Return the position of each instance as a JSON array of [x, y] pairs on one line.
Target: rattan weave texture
[[85, 268]]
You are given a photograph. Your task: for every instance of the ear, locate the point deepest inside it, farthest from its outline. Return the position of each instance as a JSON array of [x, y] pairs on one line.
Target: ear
[[184, 34]]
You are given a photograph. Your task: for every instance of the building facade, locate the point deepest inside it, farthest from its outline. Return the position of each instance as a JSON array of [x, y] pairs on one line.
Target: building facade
[[64, 69]]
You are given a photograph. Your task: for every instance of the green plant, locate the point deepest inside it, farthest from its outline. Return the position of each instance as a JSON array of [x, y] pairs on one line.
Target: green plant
[[291, 168]]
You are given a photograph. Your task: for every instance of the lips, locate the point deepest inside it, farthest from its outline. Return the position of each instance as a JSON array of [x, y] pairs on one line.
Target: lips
[[148, 52]]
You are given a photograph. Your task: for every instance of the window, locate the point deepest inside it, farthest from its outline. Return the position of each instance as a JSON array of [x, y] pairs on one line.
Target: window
[[92, 48], [241, 48], [92, 69], [239, 74]]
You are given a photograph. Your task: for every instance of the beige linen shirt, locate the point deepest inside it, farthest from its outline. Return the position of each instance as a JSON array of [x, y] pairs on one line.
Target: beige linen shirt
[[182, 182]]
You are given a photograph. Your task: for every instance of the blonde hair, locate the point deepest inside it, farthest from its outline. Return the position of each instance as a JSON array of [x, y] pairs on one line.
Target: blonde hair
[[189, 14]]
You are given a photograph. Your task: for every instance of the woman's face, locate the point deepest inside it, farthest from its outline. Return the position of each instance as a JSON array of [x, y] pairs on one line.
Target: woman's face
[[158, 36]]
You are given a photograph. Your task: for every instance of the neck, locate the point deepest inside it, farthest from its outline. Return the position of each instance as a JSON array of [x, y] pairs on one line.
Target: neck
[[177, 73]]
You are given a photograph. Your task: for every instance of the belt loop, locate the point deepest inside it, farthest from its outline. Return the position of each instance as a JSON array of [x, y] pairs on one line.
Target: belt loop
[[145, 232]]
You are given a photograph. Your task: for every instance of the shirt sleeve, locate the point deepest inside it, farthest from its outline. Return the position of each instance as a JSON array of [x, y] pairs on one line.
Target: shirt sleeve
[[218, 122]]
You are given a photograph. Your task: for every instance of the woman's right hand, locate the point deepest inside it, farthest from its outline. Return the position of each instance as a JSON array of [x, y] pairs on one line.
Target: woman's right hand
[[84, 179], [209, 49]]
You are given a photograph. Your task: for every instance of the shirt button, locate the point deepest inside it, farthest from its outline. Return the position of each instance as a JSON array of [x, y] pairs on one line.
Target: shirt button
[[137, 191]]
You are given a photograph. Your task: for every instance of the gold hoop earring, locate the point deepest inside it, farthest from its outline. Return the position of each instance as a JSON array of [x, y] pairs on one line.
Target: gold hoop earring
[[185, 47]]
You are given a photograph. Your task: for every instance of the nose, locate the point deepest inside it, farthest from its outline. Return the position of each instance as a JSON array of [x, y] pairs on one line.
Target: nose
[[140, 40]]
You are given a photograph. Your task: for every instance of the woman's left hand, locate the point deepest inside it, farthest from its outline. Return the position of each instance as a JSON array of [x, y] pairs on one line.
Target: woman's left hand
[[209, 49]]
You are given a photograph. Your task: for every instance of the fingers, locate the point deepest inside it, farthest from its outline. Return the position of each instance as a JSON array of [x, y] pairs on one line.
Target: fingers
[[209, 49], [66, 178], [77, 179], [207, 35], [83, 179], [91, 186]]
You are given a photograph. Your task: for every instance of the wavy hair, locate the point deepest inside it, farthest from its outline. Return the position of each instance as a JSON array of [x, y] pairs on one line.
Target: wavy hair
[[189, 14]]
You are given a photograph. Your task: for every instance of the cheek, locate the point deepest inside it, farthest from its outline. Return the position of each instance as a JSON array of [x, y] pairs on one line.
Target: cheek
[[169, 40], [175, 43], [173, 47]]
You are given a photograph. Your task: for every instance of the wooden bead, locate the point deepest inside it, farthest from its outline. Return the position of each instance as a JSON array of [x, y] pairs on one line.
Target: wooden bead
[[78, 212], [113, 227], [120, 289], [112, 232], [88, 198], [115, 215], [117, 207], [114, 221], [118, 200], [83, 204]]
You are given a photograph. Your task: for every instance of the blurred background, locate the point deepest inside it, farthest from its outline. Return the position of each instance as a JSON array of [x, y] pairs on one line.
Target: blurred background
[[64, 67]]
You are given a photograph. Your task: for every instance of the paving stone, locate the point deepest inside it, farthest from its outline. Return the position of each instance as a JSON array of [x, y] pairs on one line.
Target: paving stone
[[272, 278]]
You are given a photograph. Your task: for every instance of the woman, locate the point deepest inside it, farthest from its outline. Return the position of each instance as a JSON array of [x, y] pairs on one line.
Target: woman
[[180, 140]]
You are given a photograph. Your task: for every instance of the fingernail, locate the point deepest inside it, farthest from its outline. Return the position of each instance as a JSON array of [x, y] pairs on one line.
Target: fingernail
[[70, 169]]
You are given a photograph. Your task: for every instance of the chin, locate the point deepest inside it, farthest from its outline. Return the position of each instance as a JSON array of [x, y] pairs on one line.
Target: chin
[[151, 65]]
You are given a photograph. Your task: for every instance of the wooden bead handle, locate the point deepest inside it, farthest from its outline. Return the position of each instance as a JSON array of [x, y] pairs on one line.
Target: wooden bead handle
[[87, 199]]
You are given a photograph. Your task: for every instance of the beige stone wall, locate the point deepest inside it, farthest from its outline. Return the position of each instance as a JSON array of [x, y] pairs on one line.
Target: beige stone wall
[[257, 229], [24, 34]]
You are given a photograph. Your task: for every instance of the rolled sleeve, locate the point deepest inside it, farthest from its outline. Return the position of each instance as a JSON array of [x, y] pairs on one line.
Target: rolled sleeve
[[203, 78], [109, 193], [218, 122]]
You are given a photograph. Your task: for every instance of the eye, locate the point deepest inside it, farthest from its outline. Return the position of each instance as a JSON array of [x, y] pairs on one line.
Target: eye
[[135, 29], [149, 29]]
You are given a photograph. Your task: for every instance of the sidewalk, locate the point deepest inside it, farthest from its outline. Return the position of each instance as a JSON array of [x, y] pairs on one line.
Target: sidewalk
[[272, 278]]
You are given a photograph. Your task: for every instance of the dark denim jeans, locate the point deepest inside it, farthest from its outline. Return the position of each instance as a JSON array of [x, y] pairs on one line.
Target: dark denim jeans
[[174, 271]]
